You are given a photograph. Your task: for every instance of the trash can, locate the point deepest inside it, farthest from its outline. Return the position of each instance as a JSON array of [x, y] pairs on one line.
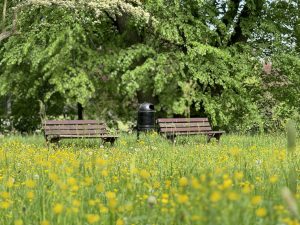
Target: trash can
[[146, 118]]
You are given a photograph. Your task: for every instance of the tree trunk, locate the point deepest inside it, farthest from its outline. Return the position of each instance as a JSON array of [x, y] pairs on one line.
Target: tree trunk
[[4, 15], [79, 111]]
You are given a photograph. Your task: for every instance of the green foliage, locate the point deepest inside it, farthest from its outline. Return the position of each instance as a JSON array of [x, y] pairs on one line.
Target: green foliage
[[190, 58]]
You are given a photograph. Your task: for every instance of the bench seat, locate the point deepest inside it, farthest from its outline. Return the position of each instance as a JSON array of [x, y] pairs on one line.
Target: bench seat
[[172, 127], [54, 130]]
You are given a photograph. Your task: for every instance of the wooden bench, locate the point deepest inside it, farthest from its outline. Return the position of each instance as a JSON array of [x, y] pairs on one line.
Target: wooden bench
[[54, 130], [172, 127]]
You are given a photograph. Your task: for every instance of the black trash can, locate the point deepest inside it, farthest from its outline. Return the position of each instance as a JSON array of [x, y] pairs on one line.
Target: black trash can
[[146, 118]]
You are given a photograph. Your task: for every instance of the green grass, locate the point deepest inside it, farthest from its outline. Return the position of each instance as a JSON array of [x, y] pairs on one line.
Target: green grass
[[152, 181]]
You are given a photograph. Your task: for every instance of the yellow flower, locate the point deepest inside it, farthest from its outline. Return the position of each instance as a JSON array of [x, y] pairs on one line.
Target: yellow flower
[[144, 174], [4, 205], [53, 177], [58, 208], [100, 162], [30, 195], [261, 212], [182, 199], [273, 179], [183, 181], [4, 195], [195, 183], [30, 183], [227, 183], [215, 196], [92, 218], [256, 200], [110, 195], [103, 209], [71, 181], [99, 187], [76, 203], [45, 222], [19, 222], [238, 175], [104, 173], [120, 222], [233, 196]]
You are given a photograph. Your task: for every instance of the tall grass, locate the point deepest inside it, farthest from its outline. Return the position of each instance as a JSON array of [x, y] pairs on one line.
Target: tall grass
[[148, 182]]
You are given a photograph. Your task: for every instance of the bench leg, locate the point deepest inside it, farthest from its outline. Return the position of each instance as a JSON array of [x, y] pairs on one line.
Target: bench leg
[[209, 137], [171, 137], [111, 140], [218, 137]]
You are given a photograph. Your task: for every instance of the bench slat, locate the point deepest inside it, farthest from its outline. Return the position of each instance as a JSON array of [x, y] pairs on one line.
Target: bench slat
[[75, 132], [75, 127], [181, 120], [196, 124], [89, 136], [184, 129], [69, 122]]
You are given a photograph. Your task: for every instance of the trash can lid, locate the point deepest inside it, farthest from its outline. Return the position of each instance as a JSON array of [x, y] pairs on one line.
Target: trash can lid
[[146, 107]]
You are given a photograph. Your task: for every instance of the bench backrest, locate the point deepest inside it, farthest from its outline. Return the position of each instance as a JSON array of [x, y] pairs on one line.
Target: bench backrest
[[80, 128], [184, 125]]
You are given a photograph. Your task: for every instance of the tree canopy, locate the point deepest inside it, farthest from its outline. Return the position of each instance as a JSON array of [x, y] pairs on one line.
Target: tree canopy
[[235, 61]]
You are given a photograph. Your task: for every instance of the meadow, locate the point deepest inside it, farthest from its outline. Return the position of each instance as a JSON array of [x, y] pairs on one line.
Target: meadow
[[240, 181]]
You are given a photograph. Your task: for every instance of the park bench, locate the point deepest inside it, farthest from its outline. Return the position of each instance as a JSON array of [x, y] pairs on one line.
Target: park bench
[[54, 130], [172, 127]]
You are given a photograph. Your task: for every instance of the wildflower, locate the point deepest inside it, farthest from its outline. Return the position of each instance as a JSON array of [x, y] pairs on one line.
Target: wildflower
[[76, 203], [273, 179], [256, 200], [58, 208], [30, 183], [261, 212], [233, 196], [110, 195], [151, 200], [99, 187], [30, 195], [120, 222], [4, 205], [71, 181], [19, 222], [92, 218], [103, 209], [238, 175], [100, 162], [5, 195], [227, 183], [215, 196], [144, 174], [183, 181], [45, 222], [182, 199], [104, 173]]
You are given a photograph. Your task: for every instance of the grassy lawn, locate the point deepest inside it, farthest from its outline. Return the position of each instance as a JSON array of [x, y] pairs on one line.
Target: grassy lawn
[[239, 181]]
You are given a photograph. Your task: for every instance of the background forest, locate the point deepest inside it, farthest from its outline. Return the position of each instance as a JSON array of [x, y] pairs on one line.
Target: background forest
[[234, 61]]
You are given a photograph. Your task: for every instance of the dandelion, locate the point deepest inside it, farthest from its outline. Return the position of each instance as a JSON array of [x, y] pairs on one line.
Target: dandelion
[[120, 222], [4, 205], [92, 218], [215, 196], [183, 199], [151, 200], [18, 222], [273, 179], [256, 200], [30, 183], [233, 196], [144, 174], [261, 212], [30, 195], [58, 208], [183, 181], [45, 222], [99, 187], [5, 195]]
